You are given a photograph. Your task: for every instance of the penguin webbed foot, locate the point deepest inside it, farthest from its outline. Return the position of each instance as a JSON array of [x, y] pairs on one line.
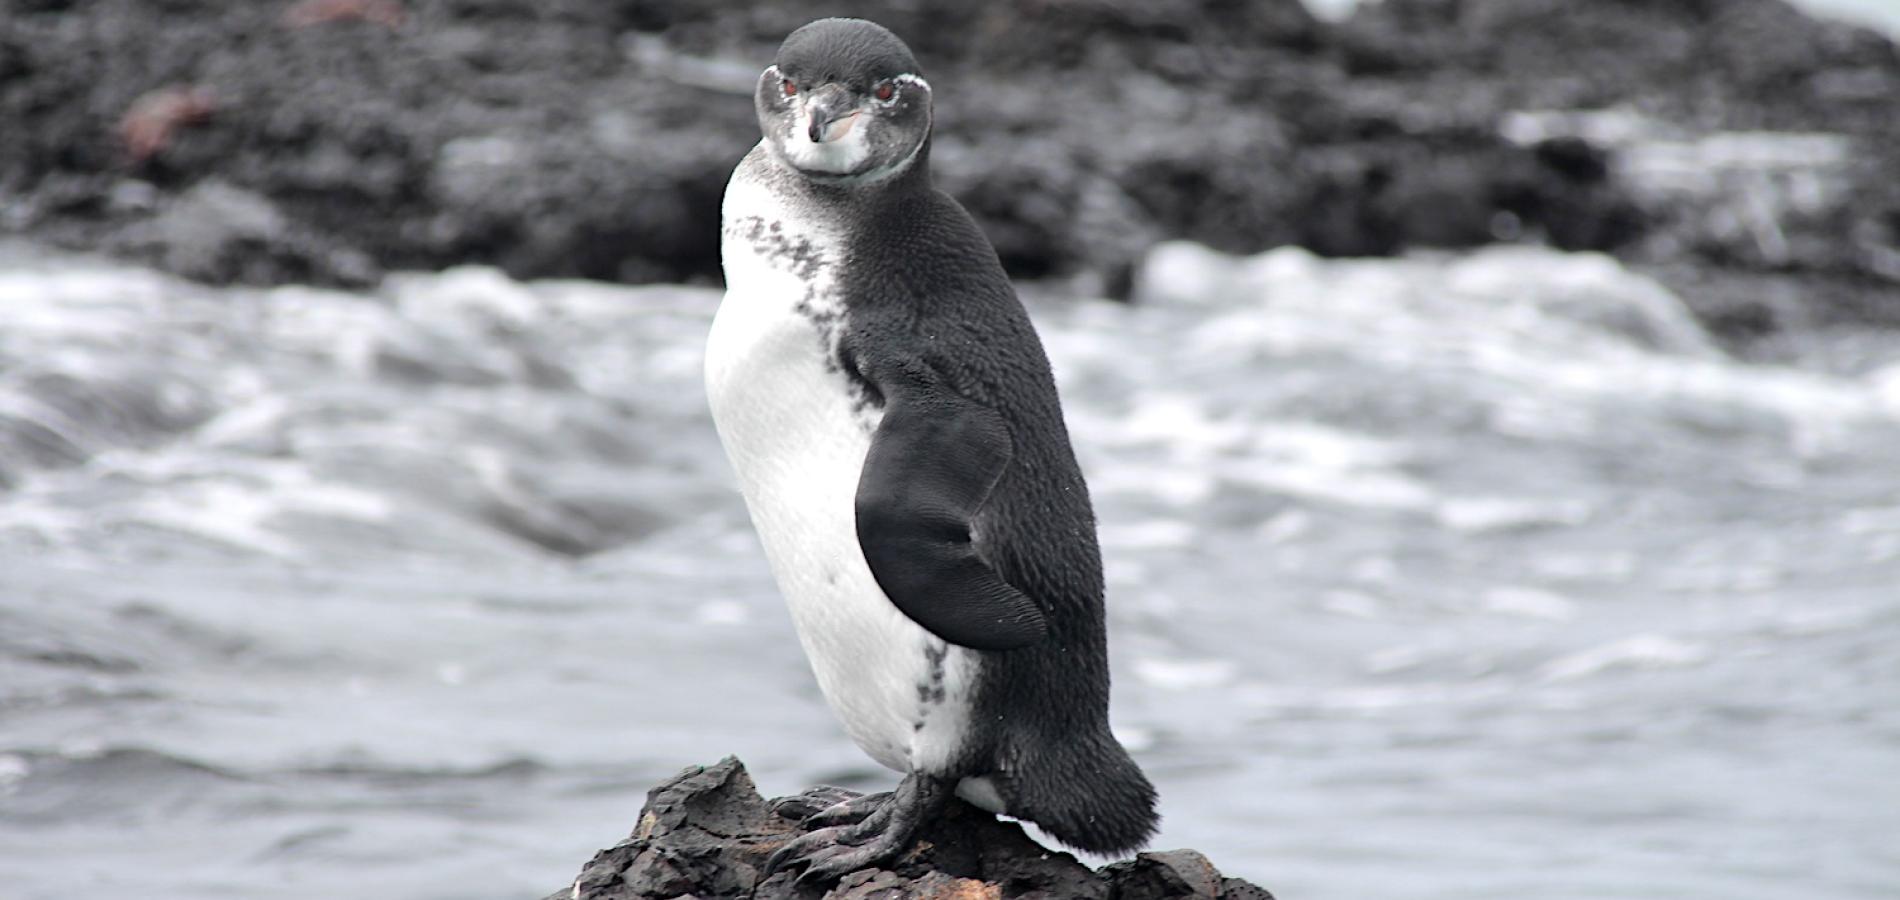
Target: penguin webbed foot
[[827, 805], [851, 811], [885, 830]]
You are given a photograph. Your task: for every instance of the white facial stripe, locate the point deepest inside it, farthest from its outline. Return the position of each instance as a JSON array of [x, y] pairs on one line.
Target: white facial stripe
[[908, 78]]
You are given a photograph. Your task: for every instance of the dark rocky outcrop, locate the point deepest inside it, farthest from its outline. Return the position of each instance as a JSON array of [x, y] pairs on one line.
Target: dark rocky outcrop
[[330, 140], [707, 833]]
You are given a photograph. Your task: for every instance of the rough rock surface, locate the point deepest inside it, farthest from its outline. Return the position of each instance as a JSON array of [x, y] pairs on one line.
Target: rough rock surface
[[330, 140], [707, 833]]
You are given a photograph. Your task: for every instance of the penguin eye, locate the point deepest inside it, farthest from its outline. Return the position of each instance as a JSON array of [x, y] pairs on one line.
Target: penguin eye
[[787, 85], [885, 91]]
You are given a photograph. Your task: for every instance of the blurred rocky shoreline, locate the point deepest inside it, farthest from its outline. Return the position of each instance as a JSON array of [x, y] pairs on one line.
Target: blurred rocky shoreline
[[1741, 151]]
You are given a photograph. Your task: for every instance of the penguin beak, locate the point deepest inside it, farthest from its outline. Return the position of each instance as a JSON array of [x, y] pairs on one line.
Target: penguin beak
[[830, 114]]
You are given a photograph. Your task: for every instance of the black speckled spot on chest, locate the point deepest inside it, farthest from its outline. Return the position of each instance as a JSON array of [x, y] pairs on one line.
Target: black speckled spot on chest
[[930, 690], [803, 258], [797, 255]]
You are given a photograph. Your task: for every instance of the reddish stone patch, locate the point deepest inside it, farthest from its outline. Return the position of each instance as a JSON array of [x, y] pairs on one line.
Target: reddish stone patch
[[387, 13], [148, 124]]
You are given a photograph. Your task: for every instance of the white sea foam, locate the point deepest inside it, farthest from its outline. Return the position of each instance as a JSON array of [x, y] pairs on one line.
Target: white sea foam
[[1529, 602], [1281, 375], [1642, 651]]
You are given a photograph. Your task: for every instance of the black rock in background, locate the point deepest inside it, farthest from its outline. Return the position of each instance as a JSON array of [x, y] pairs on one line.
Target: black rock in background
[[1766, 144], [707, 833], [329, 140]]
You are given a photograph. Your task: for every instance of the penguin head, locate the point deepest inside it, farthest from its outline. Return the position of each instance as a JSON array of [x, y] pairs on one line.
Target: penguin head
[[844, 103]]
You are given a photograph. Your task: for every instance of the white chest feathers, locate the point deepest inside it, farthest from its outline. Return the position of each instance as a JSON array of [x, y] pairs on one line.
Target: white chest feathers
[[797, 434]]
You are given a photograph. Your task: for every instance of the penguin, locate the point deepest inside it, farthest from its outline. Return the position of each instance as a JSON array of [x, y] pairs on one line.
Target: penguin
[[895, 430]]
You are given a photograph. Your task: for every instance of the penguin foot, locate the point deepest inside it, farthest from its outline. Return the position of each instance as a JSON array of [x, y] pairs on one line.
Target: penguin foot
[[849, 811], [883, 833], [826, 805], [814, 800]]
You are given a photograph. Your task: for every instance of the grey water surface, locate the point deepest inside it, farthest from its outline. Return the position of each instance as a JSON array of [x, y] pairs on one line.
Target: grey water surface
[[1467, 576]]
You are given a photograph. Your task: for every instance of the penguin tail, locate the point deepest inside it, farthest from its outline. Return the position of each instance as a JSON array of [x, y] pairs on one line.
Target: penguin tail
[[1087, 793]]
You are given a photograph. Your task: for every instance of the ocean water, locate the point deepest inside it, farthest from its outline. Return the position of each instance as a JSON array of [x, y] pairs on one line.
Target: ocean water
[[1486, 575]]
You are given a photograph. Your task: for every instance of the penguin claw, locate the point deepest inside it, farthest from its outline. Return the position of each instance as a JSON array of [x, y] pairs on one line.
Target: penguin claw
[[797, 849], [859, 844], [832, 863], [879, 836]]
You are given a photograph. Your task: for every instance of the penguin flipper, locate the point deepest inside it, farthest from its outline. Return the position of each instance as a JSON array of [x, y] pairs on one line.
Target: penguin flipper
[[933, 461]]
